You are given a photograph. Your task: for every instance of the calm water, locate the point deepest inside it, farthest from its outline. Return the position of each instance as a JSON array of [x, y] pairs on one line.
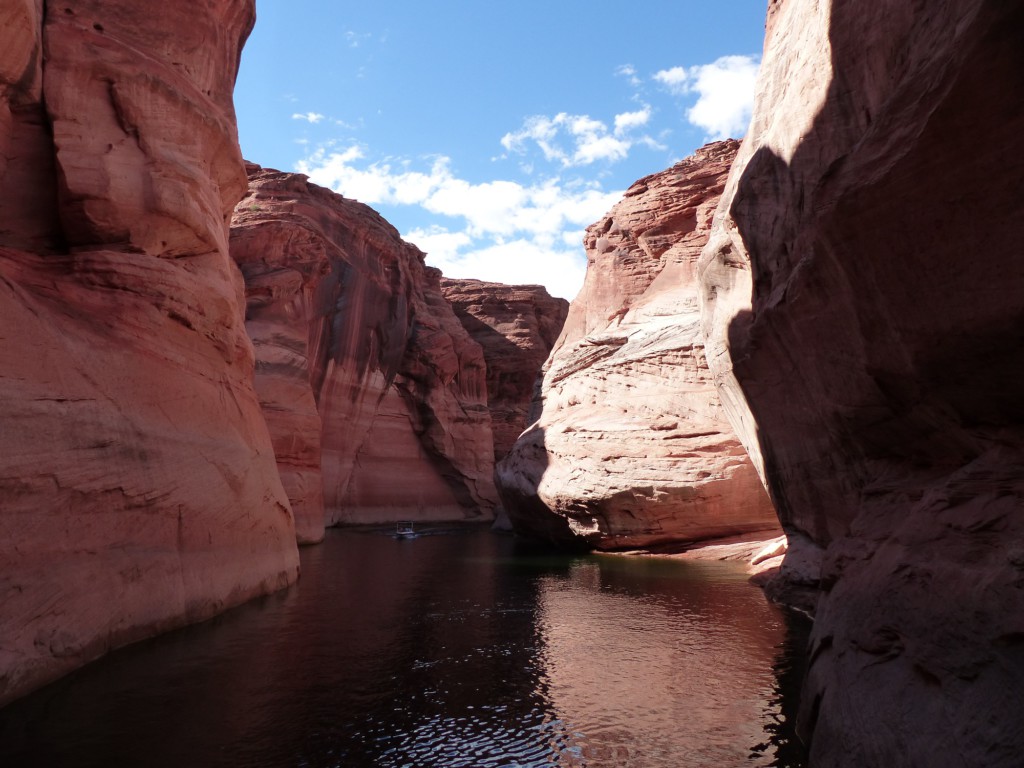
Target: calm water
[[449, 650]]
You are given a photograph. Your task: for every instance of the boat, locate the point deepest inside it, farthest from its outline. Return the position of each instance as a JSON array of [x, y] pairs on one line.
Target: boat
[[404, 529]]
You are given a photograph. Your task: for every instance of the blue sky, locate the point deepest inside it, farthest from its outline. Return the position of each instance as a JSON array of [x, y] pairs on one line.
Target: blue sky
[[491, 134]]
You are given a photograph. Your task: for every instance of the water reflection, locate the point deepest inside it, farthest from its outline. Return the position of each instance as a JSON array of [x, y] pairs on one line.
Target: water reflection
[[454, 650], [654, 662]]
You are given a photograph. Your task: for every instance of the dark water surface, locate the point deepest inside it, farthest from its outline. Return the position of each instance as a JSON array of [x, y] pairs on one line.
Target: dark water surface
[[448, 650]]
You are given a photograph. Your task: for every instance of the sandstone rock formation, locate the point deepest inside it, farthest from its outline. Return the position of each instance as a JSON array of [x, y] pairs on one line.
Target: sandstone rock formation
[[138, 489], [374, 393], [863, 302], [516, 325], [629, 446]]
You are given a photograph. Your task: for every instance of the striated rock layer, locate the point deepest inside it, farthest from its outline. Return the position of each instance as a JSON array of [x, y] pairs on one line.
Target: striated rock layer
[[629, 445], [863, 304], [374, 393], [516, 325], [138, 489]]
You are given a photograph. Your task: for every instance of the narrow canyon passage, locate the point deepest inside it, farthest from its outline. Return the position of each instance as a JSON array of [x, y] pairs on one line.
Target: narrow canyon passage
[[462, 649]]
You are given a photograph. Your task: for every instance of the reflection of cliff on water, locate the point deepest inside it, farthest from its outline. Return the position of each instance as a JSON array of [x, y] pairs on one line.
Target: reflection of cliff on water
[[652, 658], [454, 650]]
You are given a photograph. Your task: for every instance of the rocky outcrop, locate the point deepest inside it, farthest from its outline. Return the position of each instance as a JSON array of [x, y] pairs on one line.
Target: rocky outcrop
[[374, 393], [863, 297], [137, 478], [629, 446], [516, 325]]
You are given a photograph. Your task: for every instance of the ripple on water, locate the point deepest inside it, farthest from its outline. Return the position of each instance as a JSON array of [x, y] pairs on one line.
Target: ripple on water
[[454, 651]]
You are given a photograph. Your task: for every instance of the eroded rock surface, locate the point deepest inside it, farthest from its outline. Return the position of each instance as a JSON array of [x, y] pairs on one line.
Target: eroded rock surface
[[863, 302], [516, 325], [629, 446], [374, 392], [138, 489]]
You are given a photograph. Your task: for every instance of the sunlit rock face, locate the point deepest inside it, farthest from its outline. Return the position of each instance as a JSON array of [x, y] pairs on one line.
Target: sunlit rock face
[[138, 489], [863, 301], [628, 444], [516, 326], [375, 394]]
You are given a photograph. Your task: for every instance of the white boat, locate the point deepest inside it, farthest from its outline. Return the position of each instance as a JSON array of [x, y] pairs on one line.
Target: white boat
[[404, 529]]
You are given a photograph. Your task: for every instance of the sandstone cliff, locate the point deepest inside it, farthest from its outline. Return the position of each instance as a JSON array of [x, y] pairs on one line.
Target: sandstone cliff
[[629, 445], [863, 297], [137, 478], [374, 393], [516, 325]]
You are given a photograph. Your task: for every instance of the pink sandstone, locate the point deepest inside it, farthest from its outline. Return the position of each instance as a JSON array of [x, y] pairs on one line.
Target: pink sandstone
[[628, 445], [862, 293], [516, 325], [374, 393], [138, 484]]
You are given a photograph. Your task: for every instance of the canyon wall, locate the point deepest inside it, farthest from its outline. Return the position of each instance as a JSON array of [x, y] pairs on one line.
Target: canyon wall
[[628, 445], [374, 393], [138, 489], [863, 299], [516, 326]]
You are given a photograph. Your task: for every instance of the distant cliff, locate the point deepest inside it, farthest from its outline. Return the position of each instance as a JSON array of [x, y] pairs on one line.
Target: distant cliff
[[374, 392], [628, 444], [863, 299], [516, 325], [138, 490]]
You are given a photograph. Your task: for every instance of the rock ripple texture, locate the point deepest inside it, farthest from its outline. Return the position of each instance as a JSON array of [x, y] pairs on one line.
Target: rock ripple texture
[[628, 445], [138, 490], [863, 304], [374, 392], [516, 325]]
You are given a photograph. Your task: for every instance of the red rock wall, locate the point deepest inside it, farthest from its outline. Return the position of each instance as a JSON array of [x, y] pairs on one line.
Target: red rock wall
[[138, 490], [374, 393], [864, 297], [516, 325], [628, 445]]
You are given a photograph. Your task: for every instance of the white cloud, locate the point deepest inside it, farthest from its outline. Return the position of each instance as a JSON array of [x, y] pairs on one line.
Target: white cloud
[[541, 130], [628, 121], [628, 71], [500, 230], [677, 80], [489, 208], [725, 93], [516, 262], [589, 139], [593, 147], [309, 117], [726, 101], [441, 245], [582, 125]]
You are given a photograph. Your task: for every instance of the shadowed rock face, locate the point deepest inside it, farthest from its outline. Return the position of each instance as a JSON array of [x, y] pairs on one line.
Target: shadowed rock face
[[138, 489], [629, 445], [374, 393], [516, 325], [863, 303]]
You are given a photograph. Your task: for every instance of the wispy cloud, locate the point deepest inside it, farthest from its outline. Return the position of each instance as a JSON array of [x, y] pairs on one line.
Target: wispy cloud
[[724, 89], [309, 117], [578, 140], [628, 71], [356, 39], [543, 131]]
